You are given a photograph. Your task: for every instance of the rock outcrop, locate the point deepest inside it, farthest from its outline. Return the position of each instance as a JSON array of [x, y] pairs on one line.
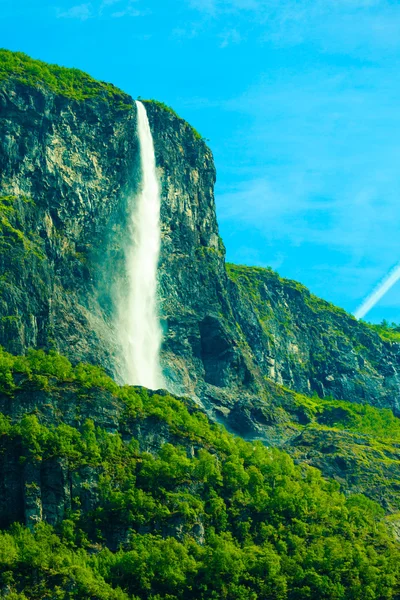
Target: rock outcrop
[[34, 490], [67, 169], [311, 346]]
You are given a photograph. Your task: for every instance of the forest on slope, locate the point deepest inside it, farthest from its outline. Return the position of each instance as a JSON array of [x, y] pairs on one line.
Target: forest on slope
[[148, 499]]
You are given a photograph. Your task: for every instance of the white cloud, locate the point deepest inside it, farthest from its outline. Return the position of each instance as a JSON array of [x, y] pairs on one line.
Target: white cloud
[[208, 7], [222, 6], [81, 12], [103, 9], [335, 25], [229, 37], [128, 12], [288, 7]]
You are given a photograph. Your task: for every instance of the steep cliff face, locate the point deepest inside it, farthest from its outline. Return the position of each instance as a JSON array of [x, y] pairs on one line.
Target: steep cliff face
[[311, 346], [201, 354], [69, 172], [66, 170], [226, 330]]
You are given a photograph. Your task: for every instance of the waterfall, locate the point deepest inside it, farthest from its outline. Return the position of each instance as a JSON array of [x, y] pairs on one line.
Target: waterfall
[[138, 325]]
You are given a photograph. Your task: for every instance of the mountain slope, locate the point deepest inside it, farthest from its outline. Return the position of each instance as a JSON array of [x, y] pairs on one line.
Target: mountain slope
[[233, 335], [310, 345], [69, 168], [195, 511]]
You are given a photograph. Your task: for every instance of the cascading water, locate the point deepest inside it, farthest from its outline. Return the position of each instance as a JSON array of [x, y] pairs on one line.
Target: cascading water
[[138, 323]]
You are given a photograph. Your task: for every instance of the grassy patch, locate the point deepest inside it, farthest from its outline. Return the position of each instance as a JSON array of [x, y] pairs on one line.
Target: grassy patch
[[11, 228], [251, 277], [390, 332], [171, 111], [379, 423], [71, 83]]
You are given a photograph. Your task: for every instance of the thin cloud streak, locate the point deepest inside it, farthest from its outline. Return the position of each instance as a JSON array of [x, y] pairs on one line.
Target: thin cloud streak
[[381, 290]]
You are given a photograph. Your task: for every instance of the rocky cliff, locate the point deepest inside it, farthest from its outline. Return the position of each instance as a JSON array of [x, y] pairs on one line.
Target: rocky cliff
[[227, 328], [311, 346], [69, 168]]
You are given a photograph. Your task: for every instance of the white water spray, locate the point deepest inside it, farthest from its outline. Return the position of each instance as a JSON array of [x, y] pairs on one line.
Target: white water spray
[[138, 324], [378, 293]]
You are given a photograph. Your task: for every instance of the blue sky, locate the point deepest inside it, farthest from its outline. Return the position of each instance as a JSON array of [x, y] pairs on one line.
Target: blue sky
[[300, 101]]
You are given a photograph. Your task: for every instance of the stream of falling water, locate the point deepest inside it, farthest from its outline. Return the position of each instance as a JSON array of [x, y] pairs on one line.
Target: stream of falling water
[[139, 324]]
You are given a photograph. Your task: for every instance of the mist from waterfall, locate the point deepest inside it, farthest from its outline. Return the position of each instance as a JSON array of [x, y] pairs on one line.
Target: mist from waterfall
[[384, 286], [138, 326]]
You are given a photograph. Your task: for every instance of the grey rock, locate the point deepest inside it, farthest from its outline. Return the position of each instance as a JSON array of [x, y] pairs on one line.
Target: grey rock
[[223, 336]]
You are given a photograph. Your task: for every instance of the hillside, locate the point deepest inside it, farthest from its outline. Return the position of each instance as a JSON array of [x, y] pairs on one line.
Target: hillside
[[145, 498], [20, 68], [312, 346]]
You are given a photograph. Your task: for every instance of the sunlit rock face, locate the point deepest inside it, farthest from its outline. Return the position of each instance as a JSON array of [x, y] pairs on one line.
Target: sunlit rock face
[[71, 168], [226, 330], [200, 353], [76, 163]]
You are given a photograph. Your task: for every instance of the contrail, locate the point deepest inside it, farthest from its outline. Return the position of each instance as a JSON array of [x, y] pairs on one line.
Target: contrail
[[392, 277]]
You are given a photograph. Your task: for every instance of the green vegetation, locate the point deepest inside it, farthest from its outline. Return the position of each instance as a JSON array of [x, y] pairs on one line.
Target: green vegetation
[[167, 108], [360, 418], [12, 235], [350, 416], [358, 444], [250, 279], [362, 452], [240, 272], [39, 366], [70, 83], [389, 332], [204, 516], [161, 105]]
